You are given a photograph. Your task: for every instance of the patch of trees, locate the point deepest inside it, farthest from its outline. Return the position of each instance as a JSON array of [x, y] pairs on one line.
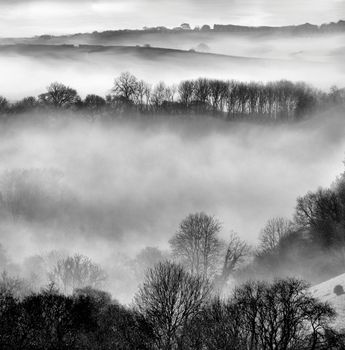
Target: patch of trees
[[88, 319], [230, 100], [62, 272], [312, 244], [77, 271], [173, 309], [303, 29], [179, 304]]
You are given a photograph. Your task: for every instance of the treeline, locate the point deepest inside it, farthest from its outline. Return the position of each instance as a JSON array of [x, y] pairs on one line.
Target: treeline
[[303, 29], [173, 309], [307, 28], [229, 100]]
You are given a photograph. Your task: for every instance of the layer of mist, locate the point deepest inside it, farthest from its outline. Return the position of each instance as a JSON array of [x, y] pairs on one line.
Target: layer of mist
[[316, 60], [109, 190]]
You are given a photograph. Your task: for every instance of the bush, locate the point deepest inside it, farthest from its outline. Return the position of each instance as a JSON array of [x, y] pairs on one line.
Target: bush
[[338, 290]]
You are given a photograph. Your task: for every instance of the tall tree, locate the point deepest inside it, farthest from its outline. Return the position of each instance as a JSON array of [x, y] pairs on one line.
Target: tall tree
[[273, 232], [196, 244], [126, 87], [171, 298], [235, 253]]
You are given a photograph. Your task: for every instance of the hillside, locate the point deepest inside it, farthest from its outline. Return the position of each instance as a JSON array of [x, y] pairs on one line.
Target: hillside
[[92, 68], [305, 42], [325, 292], [199, 33], [143, 52]]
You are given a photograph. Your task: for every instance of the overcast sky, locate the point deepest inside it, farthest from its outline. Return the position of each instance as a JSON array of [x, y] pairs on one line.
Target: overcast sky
[[30, 17]]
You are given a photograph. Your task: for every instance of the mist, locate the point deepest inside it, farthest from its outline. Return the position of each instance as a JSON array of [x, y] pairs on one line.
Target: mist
[[128, 184], [318, 62]]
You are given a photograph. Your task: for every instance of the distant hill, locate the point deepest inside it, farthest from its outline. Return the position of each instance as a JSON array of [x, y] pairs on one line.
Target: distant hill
[[91, 68], [325, 292], [151, 53], [198, 34], [306, 28]]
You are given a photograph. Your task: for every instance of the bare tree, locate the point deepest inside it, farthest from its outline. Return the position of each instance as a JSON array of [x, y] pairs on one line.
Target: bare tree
[[235, 253], [196, 244], [77, 271], [160, 94], [282, 315], [220, 327], [126, 87], [313, 208], [59, 95], [185, 91], [143, 94], [170, 298], [274, 230]]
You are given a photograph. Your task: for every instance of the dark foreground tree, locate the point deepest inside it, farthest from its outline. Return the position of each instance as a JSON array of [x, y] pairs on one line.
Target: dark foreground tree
[[9, 316], [103, 323], [88, 320], [174, 312], [259, 316], [170, 299], [282, 315], [47, 322]]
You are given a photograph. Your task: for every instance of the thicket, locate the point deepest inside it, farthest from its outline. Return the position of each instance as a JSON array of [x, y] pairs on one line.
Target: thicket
[[173, 310], [229, 100]]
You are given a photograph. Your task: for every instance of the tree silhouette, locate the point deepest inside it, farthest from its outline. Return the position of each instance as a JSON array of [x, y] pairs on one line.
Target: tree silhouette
[[170, 298]]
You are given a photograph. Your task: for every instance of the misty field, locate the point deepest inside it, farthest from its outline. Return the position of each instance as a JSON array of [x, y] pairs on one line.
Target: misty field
[[317, 60]]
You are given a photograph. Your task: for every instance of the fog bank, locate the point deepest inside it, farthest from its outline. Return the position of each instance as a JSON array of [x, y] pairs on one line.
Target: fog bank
[[129, 184]]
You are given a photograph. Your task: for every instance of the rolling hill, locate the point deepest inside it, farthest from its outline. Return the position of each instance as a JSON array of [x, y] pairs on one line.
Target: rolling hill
[[92, 68]]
